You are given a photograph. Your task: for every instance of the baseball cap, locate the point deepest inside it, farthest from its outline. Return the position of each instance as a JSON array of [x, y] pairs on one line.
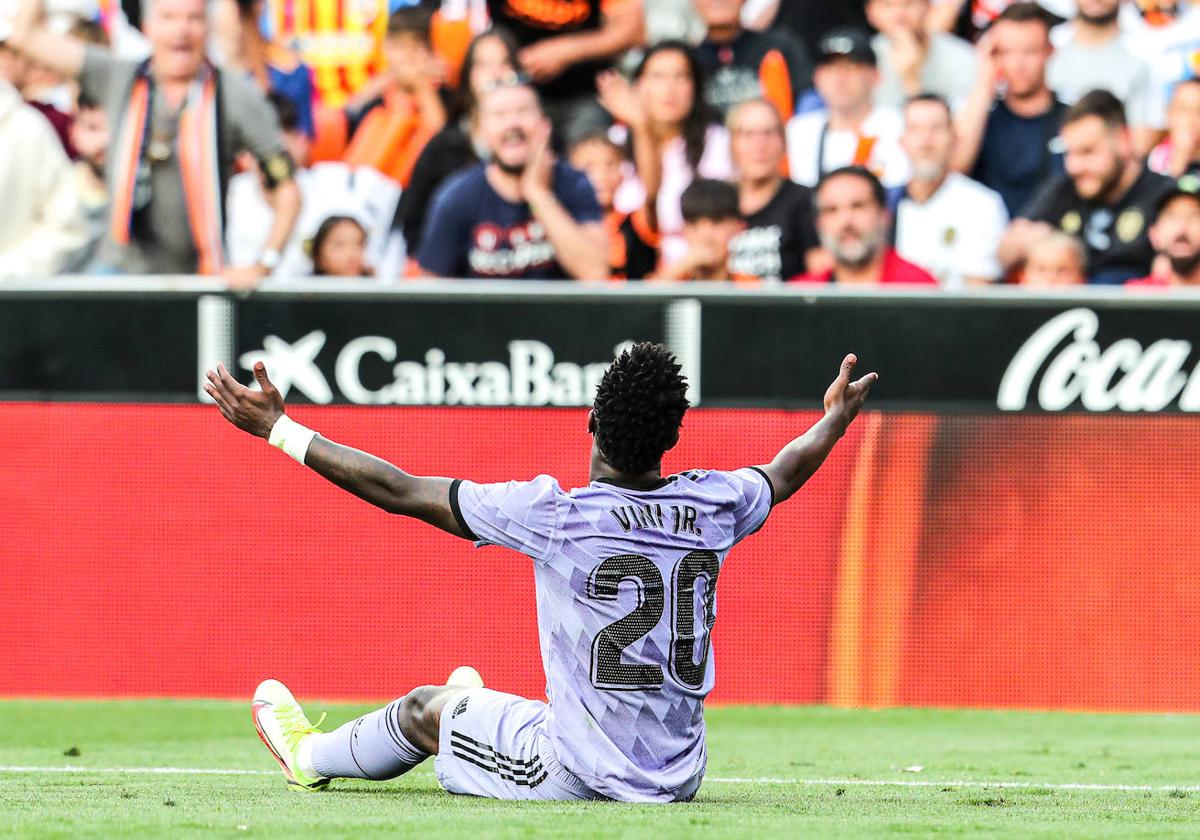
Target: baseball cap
[[1188, 185], [852, 44]]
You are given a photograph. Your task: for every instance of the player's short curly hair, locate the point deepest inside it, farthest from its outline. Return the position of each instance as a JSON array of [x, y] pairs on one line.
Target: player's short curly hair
[[639, 408]]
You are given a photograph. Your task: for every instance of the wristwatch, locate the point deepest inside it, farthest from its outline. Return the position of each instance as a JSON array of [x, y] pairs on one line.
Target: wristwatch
[[270, 260]]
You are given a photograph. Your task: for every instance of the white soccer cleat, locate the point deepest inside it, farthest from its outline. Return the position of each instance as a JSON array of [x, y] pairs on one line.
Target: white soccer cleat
[[281, 725], [464, 676]]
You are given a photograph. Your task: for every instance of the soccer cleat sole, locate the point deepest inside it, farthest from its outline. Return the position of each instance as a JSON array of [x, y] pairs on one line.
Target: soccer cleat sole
[[287, 774]]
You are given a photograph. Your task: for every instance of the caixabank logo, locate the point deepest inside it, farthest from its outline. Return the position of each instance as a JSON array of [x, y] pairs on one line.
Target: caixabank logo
[[1077, 370], [529, 376]]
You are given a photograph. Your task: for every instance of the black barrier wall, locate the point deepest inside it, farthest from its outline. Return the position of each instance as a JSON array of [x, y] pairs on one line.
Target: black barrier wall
[[547, 344]]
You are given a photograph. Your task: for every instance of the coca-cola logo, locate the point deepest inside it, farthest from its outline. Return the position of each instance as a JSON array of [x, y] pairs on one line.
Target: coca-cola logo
[[1124, 375]]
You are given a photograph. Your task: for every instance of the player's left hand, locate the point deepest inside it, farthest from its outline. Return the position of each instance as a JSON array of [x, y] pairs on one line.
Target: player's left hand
[[846, 397], [251, 411]]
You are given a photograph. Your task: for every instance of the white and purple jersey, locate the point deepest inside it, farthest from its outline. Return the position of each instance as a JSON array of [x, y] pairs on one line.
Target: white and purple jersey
[[626, 595]]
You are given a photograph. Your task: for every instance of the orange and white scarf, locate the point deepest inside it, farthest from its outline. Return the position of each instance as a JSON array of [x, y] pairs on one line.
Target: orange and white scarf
[[199, 163]]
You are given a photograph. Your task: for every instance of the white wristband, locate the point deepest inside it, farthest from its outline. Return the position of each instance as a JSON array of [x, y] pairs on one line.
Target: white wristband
[[291, 437]]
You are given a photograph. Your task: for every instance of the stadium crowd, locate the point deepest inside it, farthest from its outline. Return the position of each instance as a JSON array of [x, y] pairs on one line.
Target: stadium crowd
[[956, 143]]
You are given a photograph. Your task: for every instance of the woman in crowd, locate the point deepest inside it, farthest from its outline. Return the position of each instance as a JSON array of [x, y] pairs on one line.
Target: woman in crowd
[[674, 134], [491, 57], [339, 248]]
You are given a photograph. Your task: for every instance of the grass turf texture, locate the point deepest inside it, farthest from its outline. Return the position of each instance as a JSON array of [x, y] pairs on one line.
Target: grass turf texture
[[793, 743]]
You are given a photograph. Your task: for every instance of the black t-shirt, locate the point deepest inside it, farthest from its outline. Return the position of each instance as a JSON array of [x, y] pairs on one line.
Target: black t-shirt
[[447, 152], [1114, 235], [1016, 154], [810, 20], [530, 21], [633, 255], [777, 237], [732, 69]]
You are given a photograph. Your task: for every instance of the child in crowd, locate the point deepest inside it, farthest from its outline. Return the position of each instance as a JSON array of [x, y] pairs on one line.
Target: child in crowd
[[711, 219], [90, 137], [633, 242], [339, 248], [1058, 259]]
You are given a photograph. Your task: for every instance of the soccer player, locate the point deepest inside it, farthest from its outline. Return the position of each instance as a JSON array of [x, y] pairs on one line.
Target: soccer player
[[626, 687]]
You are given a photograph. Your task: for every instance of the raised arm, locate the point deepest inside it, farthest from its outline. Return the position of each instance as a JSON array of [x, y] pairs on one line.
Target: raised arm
[[32, 37], [796, 462], [261, 413]]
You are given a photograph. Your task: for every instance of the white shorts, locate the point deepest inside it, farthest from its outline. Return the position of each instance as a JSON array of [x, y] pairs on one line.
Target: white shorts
[[495, 745]]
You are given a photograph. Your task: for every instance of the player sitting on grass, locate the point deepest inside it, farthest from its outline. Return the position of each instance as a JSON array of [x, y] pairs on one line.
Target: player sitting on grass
[[624, 628]]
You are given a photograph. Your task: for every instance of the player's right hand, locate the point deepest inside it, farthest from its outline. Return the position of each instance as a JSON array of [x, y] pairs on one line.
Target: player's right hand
[[251, 411], [847, 397]]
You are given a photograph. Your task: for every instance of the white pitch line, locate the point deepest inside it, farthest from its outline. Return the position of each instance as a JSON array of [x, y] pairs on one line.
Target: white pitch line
[[721, 780]]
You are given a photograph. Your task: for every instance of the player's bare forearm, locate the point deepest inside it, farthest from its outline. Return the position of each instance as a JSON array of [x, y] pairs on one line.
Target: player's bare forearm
[[372, 479], [799, 460], [384, 485]]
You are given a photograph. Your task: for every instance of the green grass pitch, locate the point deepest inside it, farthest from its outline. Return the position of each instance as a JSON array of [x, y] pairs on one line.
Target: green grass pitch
[[773, 772]]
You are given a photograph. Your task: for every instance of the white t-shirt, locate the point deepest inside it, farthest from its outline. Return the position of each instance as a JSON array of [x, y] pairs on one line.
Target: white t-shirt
[[327, 189], [881, 129], [1171, 51], [956, 233]]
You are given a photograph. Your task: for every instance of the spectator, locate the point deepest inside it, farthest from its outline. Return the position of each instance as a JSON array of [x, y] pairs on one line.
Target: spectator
[[780, 231], [328, 188], [565, 45], [521, 215], [852, 220], [15, 69], [811, 20], [271, 65], [1179, 152], [1094, 57], [174, 150], [852, 130], [1105, 197], [41, 225], [944, 222], [673, 135], [912, 59], [1057, 259], [90, 137], [737, 61], [969, 19], [1009, 123], [711, 220], [1175, 236], [395, 117], [339, 248], [490, 57], [632, 240]]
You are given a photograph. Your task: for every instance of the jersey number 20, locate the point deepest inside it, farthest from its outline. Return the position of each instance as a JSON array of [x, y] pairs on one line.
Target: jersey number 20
[[608, 671]]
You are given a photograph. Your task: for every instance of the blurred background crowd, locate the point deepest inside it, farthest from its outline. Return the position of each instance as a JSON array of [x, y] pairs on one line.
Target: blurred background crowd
[[950, 143]]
